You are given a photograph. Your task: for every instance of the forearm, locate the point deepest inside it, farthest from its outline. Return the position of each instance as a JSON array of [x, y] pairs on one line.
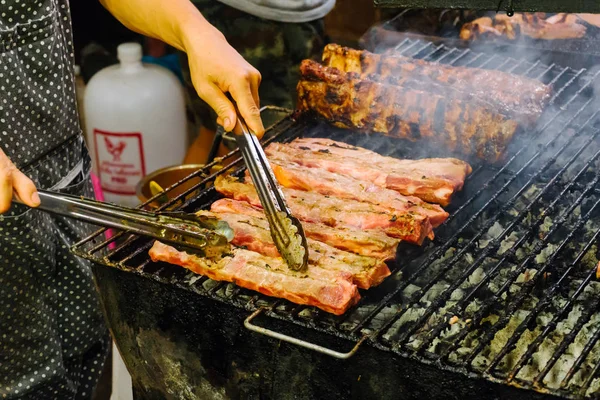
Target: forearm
[[216, 68], [172, 21]]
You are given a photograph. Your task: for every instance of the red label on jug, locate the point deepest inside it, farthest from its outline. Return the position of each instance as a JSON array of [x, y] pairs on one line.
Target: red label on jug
[[120, 161]]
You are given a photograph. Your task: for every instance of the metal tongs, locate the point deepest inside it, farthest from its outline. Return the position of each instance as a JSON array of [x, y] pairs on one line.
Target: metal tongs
[[201, 235], [286, 230]]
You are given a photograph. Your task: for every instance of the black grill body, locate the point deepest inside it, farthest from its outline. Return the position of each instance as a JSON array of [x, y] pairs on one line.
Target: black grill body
[[504, 302], [181, 345]]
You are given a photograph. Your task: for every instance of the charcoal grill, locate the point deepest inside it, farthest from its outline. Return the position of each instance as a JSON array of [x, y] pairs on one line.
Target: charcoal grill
[[504, 302]]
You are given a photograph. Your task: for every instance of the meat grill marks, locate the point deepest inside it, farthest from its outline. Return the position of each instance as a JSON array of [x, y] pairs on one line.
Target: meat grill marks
[[432, 180], [352, 225], [438, 172], [253, 234], [330, 291], [367, 243], [330, 184], [404, 113], [517, 96], [332, 211]]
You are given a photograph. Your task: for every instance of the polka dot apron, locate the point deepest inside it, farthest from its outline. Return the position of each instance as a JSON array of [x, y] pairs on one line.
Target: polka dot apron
[[53, 342]]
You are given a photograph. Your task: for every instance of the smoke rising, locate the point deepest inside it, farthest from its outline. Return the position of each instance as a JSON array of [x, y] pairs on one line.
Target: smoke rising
[[572, 75]]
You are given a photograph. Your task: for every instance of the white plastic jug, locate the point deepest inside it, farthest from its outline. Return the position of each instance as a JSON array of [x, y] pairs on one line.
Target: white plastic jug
[[135, 123]]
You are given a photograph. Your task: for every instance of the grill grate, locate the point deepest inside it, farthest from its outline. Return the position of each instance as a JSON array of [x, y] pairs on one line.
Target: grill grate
[[506, 291]]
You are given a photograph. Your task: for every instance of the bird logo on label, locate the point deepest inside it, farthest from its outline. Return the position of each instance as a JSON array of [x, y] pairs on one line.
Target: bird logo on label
[[115, 150]]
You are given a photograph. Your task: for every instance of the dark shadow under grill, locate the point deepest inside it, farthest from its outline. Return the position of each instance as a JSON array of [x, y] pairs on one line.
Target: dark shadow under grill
[[506, 291]]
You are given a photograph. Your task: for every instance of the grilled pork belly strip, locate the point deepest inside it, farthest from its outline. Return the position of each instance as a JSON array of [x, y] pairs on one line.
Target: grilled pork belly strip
[[330, 291], [404, 113], [433, 180], [253, 234], [331, 184], [494, 87], [370, 243], [331, 211]]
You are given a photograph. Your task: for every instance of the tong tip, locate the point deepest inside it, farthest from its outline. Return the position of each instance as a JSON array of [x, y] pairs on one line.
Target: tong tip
[[295, 253]]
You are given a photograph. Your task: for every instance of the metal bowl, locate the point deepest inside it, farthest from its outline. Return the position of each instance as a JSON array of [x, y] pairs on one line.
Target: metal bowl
[[166, 177]]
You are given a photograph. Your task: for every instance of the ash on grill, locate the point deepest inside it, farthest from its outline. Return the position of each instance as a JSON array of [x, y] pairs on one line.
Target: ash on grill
[[507, 290]]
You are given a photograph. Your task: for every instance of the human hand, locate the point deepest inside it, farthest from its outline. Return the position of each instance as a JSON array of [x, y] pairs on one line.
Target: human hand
[[216, 68], [13, 181]]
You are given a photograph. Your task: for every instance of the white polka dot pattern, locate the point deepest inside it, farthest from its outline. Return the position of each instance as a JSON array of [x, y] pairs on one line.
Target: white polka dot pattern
[[53, 341], [37, 106]]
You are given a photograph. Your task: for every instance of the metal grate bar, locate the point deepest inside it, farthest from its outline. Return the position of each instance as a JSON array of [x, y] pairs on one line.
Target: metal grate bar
[[143, 265], [444, 354], [568, 84], [534, 66], [486, 185], [461, 55], [431, 53], [483, 205], [559, 316], [447, 54], [590, 378], [445, 295], [584, 353], [505, 62], [421, 49], [489, 334], [487, 61], [517, 65], [493, 246], [544, 301], [401, 44], [135, 253], [442, 249], [405, 49]]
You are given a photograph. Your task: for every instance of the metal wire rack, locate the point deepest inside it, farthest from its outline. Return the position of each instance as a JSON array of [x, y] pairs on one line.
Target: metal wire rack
[[507, 291]]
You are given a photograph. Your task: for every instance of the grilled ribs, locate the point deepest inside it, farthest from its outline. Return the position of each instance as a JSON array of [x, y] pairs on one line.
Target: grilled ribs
[[331, 184], [517, 96], [433, 180], [396, 111], [330, 291], [253, 234], [352, 221], [332, 211], [367, 243]]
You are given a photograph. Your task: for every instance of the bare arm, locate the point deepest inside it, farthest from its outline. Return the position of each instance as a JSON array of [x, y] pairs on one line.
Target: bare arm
[[216, 68]]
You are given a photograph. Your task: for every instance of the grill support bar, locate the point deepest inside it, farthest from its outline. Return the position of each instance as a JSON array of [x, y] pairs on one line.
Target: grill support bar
[[299, 342]]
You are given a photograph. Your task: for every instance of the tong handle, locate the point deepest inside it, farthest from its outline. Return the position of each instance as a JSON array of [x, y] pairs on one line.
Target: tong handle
[[169, 229], [286, 231], [263, 178]]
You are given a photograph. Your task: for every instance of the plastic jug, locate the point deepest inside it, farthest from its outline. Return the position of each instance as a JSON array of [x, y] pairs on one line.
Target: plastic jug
[[135, 123]]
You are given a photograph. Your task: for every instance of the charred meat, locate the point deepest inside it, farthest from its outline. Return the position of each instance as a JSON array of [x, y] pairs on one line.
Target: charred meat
[[330, 184], [474, 85], [253, 234], [432, 180], [532, 25], [349, 101], [330, 291], [335, 212], [367, 243], [353, 225]]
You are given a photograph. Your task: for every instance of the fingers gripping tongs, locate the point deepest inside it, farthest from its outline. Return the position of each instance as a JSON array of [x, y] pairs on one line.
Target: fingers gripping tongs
[[202, 235], [286, 231]]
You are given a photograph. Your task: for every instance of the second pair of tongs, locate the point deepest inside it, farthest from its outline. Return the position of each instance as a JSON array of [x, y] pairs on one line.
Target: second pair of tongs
[[286, 230], [202, 235]]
